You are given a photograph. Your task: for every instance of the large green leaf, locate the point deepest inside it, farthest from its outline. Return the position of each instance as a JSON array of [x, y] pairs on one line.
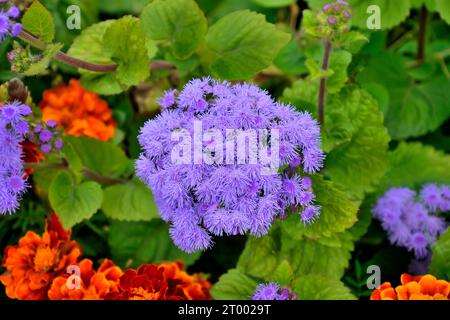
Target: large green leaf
[[122, 6], [102, 157], [356, 140], [113, 41], [234, 285], [123, 43], [131, 201], [136, 243], [440, 263], [415, 108], [243, 43], [74, 202], [39, 21], [337, 212], [413, 164], [314, 287], [181, 22], [262, 257]]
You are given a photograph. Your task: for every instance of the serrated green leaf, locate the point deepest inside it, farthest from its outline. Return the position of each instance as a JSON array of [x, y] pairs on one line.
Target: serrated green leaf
[[283, 274], [303, 95], [244, 43], [73, 203], [443, 7], [414, 108], [413, 164], [47, 55], [291, 59], [102, 157], [181, 22], [262, 257], [39, 21], [122, 6], [136, 243], [337, 212], [315, 287], [315, 71], [440, 261], [113, 41], [234, 285], [123, 43], [131, 201], [356, 140], [339, 62]]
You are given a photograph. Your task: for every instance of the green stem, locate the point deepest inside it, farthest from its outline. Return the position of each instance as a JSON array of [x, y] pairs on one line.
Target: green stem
[[323, 83]]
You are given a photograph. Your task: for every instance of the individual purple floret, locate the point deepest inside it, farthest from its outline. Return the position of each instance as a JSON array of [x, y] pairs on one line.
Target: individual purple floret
[[222, 189], [409, 220], [12, 134], [272, 291]]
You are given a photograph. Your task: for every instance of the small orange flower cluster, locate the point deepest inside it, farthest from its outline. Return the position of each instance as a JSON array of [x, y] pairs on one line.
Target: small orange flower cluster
[[37, 269], [78, 111], [425, 287]]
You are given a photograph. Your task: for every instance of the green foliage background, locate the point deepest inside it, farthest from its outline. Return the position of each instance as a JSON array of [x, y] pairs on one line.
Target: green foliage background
[[387, 123]]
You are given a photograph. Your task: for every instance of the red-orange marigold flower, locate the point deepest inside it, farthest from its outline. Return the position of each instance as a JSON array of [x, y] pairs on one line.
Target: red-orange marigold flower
[[94, 285], [32, 265], [167, 281], [78, 111], [425, 287]]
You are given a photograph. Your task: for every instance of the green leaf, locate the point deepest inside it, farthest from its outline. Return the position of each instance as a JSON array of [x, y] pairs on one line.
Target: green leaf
[[39, 21], [339, 62], [356, 140], [47, 55], [136, 243], [303, 95], [113, 41], [337, 212], [273, 3], [102, 157], [74, 203], [413, 164], [314, 287], [263, 257], [244, 44], [122, 6], [440, 262], [414, 108], [131, 201], [234, 285], [181, 22], [353, 41], [123, 42], [443, 7], [291, 59]]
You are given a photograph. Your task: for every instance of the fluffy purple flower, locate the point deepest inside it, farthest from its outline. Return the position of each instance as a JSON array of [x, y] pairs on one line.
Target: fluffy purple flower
[[331, 20], [12, 133], [408, 218], [272, 291], [7, 25], [45, 135], [233, 185], [58, 144]]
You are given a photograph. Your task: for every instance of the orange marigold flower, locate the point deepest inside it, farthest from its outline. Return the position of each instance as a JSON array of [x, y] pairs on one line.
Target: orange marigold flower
[[78, 111], [425, 287], [167, 281], [32, 265], [93, 285]]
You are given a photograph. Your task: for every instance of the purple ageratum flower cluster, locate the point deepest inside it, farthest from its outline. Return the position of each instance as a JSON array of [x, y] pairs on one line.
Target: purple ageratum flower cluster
[[8, 27], [201, 200], [47, 136], [409, 219], [13, 129], [272, 291]]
